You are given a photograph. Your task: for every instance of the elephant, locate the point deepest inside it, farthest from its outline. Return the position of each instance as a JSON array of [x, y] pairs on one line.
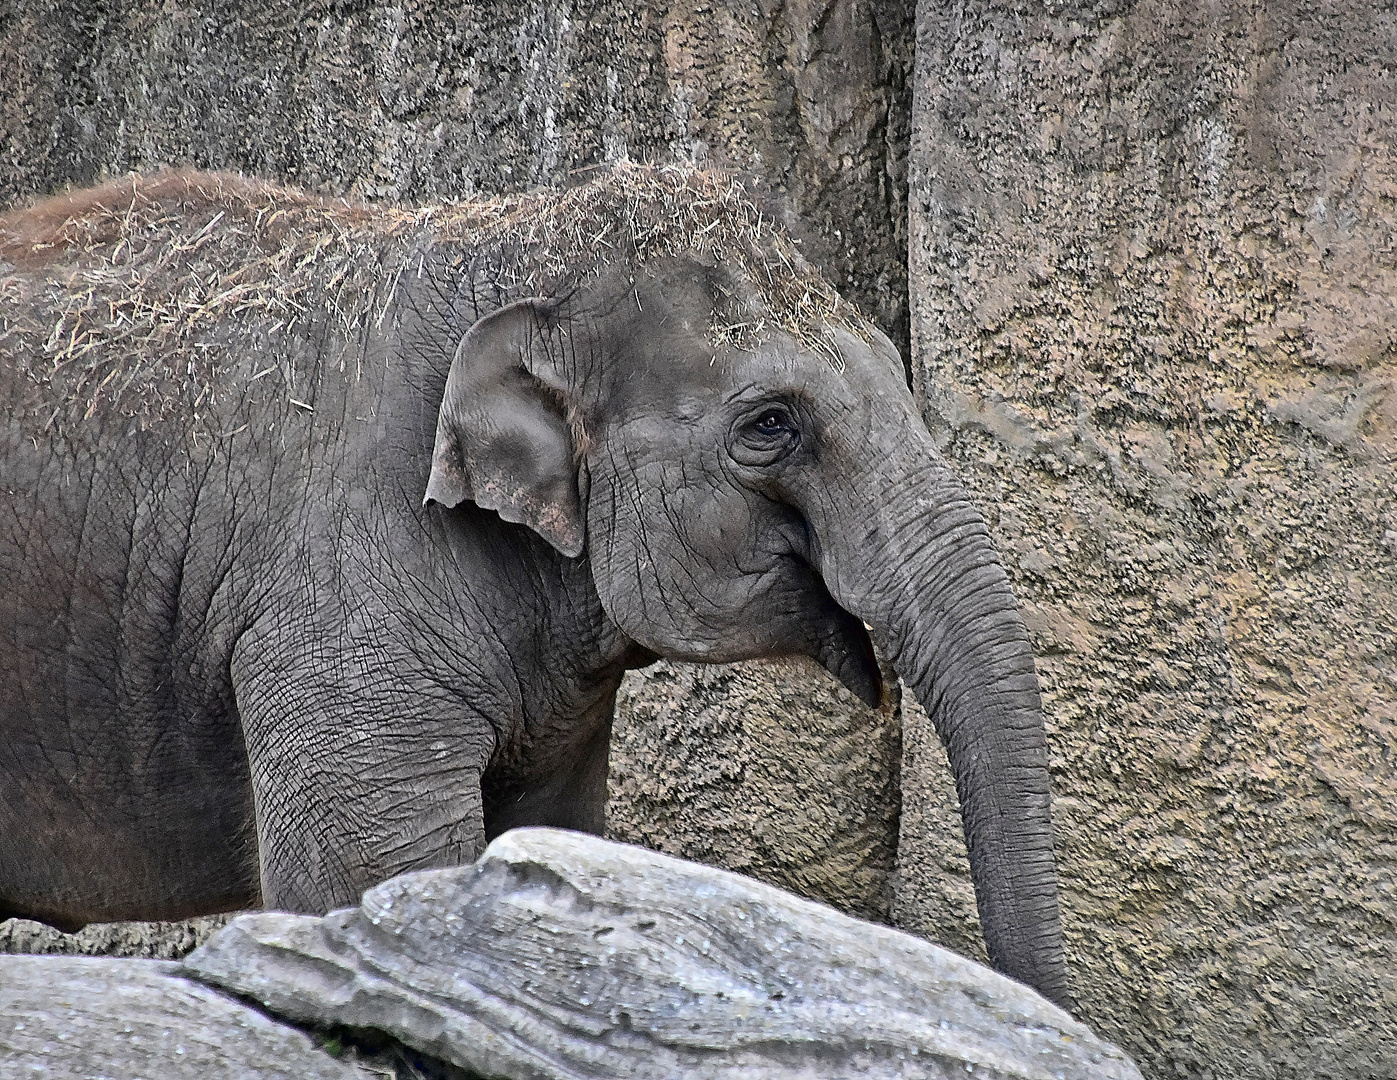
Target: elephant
[[247, 663]]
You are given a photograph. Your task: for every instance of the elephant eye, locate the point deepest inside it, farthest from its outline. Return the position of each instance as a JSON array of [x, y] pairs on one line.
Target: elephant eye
[[773, 422], [765, 436]]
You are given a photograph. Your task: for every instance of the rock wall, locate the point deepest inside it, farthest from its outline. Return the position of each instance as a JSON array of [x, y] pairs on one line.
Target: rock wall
[[433, 100], [1154, 262], [771, 769]]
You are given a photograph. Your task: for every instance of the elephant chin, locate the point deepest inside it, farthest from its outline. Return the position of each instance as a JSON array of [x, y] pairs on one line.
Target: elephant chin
[[846, 652]]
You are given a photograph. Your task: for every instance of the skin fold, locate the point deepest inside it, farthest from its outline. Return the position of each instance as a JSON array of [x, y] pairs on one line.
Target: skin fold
[[246, 663]]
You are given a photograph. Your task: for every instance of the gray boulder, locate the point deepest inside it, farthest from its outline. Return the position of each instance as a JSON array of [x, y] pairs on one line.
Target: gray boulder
[[564, 955], [65, 1017]]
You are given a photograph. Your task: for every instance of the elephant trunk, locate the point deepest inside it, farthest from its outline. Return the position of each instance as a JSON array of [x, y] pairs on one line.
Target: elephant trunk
[[927, 578]]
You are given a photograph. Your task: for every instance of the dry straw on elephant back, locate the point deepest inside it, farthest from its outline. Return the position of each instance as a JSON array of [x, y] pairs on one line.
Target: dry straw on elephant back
[[123, 297]]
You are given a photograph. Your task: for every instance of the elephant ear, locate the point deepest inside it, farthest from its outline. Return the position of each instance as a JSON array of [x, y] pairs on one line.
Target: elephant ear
[[503, 436]]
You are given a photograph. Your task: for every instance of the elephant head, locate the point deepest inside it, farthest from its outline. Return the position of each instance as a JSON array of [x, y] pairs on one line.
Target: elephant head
[[747, 475]]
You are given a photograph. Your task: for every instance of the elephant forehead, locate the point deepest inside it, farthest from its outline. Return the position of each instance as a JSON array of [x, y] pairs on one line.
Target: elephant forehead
[[677, 312]]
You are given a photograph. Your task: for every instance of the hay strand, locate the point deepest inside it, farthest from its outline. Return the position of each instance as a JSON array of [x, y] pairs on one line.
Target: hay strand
[[128, 296]]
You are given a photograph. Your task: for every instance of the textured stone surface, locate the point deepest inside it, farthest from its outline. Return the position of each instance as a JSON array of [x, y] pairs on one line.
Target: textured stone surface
[[1154, 273], [564, 955], [152, 940], [84, 1018], [427, 101], [771, 769]]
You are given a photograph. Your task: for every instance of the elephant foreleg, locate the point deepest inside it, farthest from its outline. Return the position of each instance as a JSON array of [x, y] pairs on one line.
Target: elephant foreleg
[[359, 771]]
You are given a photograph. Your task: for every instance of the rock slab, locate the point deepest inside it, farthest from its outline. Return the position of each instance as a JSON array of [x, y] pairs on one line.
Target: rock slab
[[70, 1017], [561, 955]]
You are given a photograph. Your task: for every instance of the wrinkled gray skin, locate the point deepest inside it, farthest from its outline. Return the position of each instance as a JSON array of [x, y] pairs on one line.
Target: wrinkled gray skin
[[258, 670]]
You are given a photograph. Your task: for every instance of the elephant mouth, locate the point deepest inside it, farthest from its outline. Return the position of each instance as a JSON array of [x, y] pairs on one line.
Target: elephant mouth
[[804, 619], [845, 650], [812, 623]]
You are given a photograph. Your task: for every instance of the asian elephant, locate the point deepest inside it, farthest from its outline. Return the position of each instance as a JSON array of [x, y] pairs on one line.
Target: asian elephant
[[244, 662]]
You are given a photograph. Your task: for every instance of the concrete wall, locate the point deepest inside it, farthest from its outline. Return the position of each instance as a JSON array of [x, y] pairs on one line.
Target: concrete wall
[[1154, 262], [771, 769]]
